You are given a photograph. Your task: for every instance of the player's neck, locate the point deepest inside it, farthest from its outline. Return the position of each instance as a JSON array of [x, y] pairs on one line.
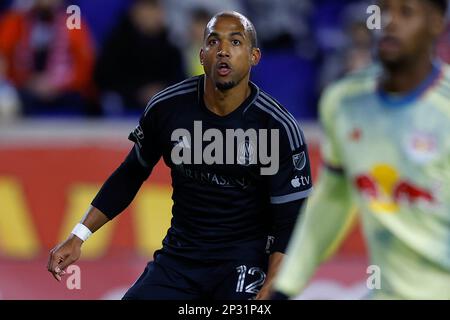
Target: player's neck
[[223, 103], [406, 77]]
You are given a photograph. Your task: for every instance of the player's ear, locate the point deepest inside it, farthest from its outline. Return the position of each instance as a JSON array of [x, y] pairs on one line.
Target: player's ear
[[437, 24], [202, 56], [255, 56]]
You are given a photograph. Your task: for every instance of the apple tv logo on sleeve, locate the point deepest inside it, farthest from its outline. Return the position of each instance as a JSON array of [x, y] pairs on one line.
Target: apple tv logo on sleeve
[[298, 182]]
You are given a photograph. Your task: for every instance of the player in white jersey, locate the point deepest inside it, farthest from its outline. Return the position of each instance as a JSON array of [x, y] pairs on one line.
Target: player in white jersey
[[387, 151]]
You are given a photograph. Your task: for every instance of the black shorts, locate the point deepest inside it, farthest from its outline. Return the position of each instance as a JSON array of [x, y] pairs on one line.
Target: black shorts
[[177, 278]]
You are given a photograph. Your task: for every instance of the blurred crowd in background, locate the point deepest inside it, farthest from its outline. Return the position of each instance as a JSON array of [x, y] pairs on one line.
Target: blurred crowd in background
[[126, 51]]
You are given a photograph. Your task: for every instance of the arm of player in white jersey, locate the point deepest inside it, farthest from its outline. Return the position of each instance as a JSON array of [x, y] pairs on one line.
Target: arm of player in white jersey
[[326, 219]]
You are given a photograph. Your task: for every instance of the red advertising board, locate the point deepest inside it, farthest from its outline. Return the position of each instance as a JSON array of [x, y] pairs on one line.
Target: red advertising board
[[45, 187]]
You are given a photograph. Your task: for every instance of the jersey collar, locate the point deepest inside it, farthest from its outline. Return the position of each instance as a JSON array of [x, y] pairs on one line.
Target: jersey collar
[[392, 100], [238, 111]]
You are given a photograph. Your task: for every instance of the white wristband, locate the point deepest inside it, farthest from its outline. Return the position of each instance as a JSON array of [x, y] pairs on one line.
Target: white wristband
[[81, 231]]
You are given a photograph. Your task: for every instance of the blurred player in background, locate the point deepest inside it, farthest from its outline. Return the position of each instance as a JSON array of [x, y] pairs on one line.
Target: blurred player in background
[[386, 149], [218, 245]]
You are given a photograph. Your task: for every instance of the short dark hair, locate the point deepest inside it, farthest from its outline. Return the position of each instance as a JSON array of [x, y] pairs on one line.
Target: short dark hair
[[248, 25], [442, 5]]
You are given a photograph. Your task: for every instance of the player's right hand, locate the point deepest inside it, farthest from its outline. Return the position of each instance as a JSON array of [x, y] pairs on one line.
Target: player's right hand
[[63, 255]]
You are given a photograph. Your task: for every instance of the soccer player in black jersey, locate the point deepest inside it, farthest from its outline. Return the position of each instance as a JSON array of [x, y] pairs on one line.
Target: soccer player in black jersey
[[240, 172]]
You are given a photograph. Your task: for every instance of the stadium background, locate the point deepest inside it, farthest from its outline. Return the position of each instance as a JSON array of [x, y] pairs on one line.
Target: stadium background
[[53, 160]]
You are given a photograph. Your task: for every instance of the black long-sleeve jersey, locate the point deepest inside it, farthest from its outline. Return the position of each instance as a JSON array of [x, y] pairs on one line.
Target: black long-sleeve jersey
[[233, 176]]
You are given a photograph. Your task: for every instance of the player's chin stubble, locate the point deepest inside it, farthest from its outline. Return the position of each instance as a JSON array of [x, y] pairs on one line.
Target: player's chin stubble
[[223, 86]]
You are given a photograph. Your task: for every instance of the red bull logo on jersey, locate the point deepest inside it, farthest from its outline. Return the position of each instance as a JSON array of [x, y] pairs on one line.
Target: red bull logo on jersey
[[386, 190]]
